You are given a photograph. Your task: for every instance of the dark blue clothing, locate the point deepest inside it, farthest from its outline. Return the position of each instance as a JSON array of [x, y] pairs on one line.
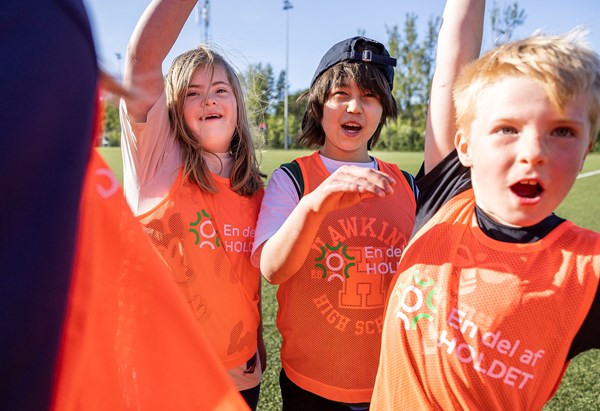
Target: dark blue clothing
[[48, 78]]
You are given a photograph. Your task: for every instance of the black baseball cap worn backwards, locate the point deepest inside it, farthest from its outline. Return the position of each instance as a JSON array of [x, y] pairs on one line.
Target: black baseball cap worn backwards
[[372, 51]]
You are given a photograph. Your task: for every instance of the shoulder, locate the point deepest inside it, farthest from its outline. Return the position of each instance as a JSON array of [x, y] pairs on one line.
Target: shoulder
[[296, 171], [589, 239], [151, 154], [448, 179]]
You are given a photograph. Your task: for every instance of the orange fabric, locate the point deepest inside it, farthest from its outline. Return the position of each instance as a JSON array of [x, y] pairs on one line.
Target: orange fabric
[[331, 311], [206, 240], [474, 323], [129, 341]]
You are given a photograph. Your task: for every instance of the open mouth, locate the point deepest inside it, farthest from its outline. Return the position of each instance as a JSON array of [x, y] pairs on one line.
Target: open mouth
[[352, 127], [528, 189], [212, 117]]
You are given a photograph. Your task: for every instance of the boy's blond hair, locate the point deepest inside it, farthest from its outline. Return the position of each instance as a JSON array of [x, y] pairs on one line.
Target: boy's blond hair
[[245, 177], [563, 64]]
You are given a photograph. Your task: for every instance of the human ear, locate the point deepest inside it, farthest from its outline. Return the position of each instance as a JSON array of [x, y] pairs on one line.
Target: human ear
[[591, 146], [588, 151], [463, 148]]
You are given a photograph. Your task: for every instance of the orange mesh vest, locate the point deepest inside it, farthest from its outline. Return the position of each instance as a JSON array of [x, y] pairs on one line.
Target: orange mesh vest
[[129, 341], [331, 311], [477, 324], [206, 240]]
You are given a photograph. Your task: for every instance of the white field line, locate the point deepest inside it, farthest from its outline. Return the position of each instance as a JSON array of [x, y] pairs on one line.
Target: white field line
[[588, 174]]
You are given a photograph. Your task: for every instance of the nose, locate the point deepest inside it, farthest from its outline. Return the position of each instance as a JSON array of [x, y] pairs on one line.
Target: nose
[[532, 149], [354, 105], [210, 99]]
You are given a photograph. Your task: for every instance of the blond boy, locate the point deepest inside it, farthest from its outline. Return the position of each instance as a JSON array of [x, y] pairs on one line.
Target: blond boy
[[495, 294]]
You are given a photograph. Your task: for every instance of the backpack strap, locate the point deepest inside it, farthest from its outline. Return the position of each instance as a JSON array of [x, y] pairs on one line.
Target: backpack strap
[[293, 171], [409, 179], [411, 182]]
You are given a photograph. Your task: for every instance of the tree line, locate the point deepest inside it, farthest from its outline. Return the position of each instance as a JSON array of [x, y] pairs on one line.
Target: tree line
[[265, 90], [416, 57]]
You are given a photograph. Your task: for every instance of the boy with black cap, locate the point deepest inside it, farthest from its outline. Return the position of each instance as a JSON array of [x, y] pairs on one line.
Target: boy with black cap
[[331, 231]]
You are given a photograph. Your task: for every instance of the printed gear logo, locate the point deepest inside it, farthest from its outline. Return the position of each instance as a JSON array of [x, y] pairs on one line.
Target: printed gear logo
[[411, 298], [334, 262], [204, 231]]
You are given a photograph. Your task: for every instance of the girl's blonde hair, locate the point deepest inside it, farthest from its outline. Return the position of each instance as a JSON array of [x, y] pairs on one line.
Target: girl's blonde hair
[[563, 64], [245, 177], [366, 76]]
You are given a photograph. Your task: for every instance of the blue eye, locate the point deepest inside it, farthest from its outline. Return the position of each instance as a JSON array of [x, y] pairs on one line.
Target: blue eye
[[507, 130], [564, 132]]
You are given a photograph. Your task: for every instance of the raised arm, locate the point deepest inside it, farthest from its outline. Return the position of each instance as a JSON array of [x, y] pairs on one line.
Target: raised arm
[[459, 42], [152, 39]]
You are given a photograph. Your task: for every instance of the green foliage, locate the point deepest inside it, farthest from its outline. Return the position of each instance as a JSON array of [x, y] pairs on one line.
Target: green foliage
[[265, 91], [111, 126], [398, 136], [412, 82], [596, 148], [265, 103], [259, 83], [265, 94], [505, 21]]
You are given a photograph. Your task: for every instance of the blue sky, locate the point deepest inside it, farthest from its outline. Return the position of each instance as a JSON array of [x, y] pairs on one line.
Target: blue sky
[[254, 31]]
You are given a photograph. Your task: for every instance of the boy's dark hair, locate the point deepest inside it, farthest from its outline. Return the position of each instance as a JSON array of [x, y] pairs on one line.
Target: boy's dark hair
[[340, 65]]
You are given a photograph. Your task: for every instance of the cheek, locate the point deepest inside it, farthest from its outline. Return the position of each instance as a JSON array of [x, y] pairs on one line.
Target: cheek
[[328, 111], [187, 114], [327, 116], [569, 163], [375, 118], [376, 111], [488, 161]]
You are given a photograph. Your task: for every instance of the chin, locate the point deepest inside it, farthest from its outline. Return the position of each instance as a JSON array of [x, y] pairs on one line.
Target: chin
[[515, 219], [525, 221]]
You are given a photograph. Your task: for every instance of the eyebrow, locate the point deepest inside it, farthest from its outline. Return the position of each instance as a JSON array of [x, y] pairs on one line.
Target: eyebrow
[[216, 83]]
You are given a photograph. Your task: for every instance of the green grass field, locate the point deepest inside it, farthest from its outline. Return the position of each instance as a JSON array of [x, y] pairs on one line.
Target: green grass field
[[580, 387]]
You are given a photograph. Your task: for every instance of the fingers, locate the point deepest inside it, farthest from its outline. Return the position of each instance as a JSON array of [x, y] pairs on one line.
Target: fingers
[[360, 180], [347, 186]]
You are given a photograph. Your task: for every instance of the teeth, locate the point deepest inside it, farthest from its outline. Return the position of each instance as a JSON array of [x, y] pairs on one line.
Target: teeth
[[352, 125], [529, 182]]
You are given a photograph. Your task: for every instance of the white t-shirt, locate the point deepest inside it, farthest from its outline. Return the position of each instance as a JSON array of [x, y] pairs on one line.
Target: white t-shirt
[[280, 200]]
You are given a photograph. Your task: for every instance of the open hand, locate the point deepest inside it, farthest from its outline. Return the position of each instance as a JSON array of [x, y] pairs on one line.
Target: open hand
[[347, 186]]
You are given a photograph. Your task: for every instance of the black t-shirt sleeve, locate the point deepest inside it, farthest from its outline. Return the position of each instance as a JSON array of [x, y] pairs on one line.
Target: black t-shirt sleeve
[[445, 181], [588, 336]]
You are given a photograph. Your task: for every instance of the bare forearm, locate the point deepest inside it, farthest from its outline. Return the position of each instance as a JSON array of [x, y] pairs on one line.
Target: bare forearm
[[285, 252], [152, 39], [459, 42]]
